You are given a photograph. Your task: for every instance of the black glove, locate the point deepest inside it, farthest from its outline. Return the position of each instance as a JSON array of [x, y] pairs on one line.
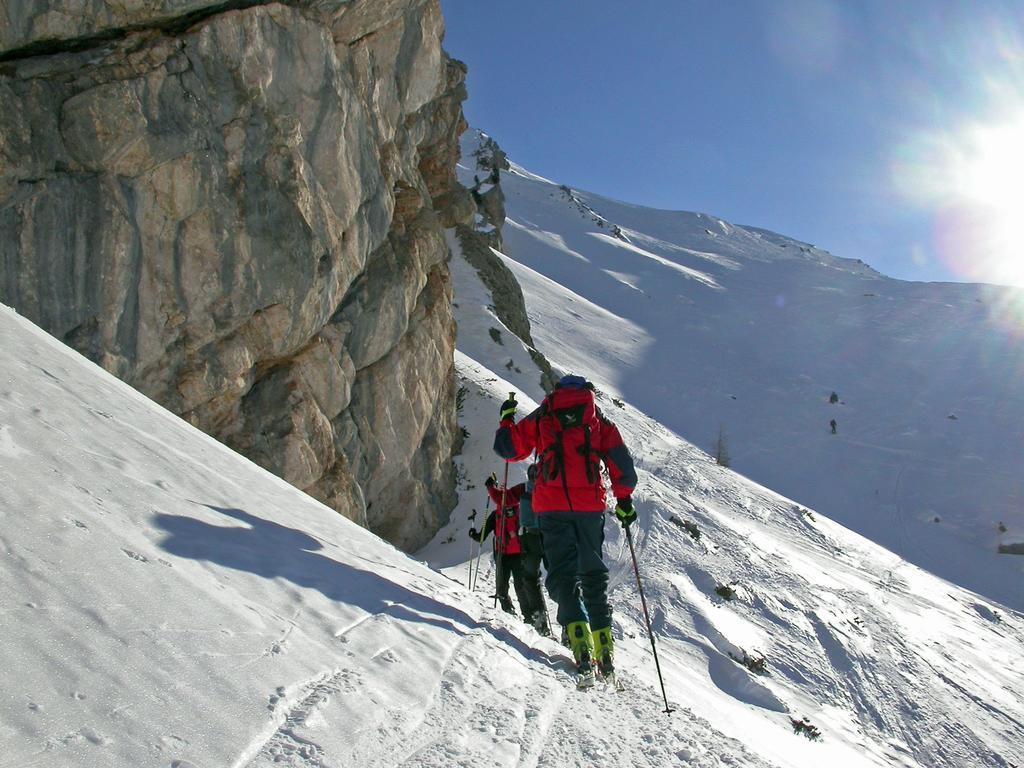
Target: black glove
[[508, 409], [625, 512], [474, 534], [490, 480]]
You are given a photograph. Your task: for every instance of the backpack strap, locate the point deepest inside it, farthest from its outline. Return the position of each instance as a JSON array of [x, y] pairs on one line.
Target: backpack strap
[[552, 459], [585, 450]]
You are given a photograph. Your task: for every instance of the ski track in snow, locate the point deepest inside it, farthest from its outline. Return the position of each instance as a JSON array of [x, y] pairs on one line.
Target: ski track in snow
[[291, 711], [505, 714]]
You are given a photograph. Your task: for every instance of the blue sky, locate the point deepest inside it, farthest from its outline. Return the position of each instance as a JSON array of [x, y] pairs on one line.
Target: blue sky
[[883, 131]]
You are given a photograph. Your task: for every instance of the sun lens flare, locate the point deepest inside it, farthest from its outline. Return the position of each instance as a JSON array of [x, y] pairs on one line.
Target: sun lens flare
[[974, 180], [992, 171]]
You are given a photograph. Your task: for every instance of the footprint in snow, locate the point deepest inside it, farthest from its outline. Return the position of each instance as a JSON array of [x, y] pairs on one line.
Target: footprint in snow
[[136, 556], [85, 734], [275, 698], [387, 655]]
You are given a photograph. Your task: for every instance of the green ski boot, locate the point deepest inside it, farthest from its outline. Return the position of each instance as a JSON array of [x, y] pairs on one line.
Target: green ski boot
[[582, 643], [604, 649]]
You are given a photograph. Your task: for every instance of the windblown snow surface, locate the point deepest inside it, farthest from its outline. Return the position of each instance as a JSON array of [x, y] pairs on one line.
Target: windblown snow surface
[[164, 602]]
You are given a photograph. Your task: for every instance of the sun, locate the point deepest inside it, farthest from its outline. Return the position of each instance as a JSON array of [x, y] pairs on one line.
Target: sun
[[989, 179], [973, 178], [991, 169]]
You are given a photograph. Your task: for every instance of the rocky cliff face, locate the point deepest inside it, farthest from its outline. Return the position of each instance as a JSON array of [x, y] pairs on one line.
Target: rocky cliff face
[[238, 208]]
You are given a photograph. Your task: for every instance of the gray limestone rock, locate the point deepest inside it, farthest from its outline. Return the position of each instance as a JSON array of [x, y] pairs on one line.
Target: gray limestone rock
[[238, 209]]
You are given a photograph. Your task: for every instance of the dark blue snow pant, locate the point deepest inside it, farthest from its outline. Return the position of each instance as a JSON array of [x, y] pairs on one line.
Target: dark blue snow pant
[[572, 548], [529, 540]]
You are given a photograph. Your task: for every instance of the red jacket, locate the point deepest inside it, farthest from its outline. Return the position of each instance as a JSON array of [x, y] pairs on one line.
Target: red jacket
[[569, 477], [512, 496], [506, 537]]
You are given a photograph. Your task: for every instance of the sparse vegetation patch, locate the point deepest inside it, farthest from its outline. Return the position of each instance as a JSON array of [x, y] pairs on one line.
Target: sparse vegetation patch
[[804, 726], [725, 591], [687, 525]]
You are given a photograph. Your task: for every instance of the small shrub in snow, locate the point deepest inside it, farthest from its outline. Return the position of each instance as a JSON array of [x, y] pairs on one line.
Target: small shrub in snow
[[690, 527], [496, 335], [725, 591], [804, 726], [460, 399], [721, 451], [618, 402], [806, 513]]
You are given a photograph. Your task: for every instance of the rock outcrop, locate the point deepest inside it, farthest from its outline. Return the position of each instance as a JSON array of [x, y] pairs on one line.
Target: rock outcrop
[[480, 238], [238, 208]]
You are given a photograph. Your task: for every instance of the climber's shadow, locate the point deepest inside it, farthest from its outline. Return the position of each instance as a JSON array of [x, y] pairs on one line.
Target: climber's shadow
[[274, 551]]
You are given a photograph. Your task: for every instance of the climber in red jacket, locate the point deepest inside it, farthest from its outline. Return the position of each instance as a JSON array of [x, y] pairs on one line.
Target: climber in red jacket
[[507, 546], [572, 439]]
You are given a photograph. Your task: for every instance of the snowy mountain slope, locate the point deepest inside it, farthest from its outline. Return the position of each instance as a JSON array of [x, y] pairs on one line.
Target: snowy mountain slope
[[894, 666], [165, 602], [707, 326]]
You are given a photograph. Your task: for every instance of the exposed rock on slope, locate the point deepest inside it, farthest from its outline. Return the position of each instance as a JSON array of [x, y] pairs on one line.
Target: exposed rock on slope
[[477, 239], [238, 209]]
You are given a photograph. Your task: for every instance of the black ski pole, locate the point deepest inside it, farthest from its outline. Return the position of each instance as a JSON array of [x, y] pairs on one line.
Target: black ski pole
[[647, 618], [480, 547], [469, 577]]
